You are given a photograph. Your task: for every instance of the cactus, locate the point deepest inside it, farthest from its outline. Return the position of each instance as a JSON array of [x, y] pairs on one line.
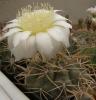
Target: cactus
[[80, 23], [88, 23], [58, 82], [62, 78], [69, 75]]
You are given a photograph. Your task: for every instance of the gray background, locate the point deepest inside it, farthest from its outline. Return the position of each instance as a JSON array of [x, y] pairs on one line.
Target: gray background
[[75, 8]]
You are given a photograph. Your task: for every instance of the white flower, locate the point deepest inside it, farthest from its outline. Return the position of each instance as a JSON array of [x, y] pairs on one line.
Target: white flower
[[92, 10], [41, 30]]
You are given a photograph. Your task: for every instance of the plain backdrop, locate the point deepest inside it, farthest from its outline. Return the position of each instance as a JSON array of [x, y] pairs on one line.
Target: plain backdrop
[[74, 8]]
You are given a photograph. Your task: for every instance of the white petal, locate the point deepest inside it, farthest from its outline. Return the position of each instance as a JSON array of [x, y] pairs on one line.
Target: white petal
[[57, 10], [10, 42], [63, 23], [26, 49], [11, 25], [11, 31], [44, 44], [56, 33], [31, 46], [92, 10], [19, 51], [20, 36], [14, 20], [66, 37], [60, 34], [57, 46], [58, 17]]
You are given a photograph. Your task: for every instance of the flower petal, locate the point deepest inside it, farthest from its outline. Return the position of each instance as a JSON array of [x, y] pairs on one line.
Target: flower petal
[[25, 49], [20, 36], [10, 42], [57, 10], [31, 46], [11, 25], [9, 33], [19, 51], [92, 10], [56, 33], [44, 45], [12, 21], [63, 24], [57, 46], [58, 17], [60, 34]]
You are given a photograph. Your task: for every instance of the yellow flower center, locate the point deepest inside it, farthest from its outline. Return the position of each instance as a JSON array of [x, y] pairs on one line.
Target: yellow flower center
[[36, 20]]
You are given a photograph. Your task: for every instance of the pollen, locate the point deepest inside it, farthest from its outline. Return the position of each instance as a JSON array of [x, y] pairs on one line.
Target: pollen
[[36, 19]]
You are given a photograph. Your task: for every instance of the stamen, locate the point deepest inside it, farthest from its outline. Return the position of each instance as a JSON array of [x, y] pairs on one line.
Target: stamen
[[36, 20]]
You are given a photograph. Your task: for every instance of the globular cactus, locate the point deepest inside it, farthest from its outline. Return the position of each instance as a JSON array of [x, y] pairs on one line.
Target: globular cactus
[[59, 82], [66, 77], [88, 23], [62, 78], [80, 23]]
